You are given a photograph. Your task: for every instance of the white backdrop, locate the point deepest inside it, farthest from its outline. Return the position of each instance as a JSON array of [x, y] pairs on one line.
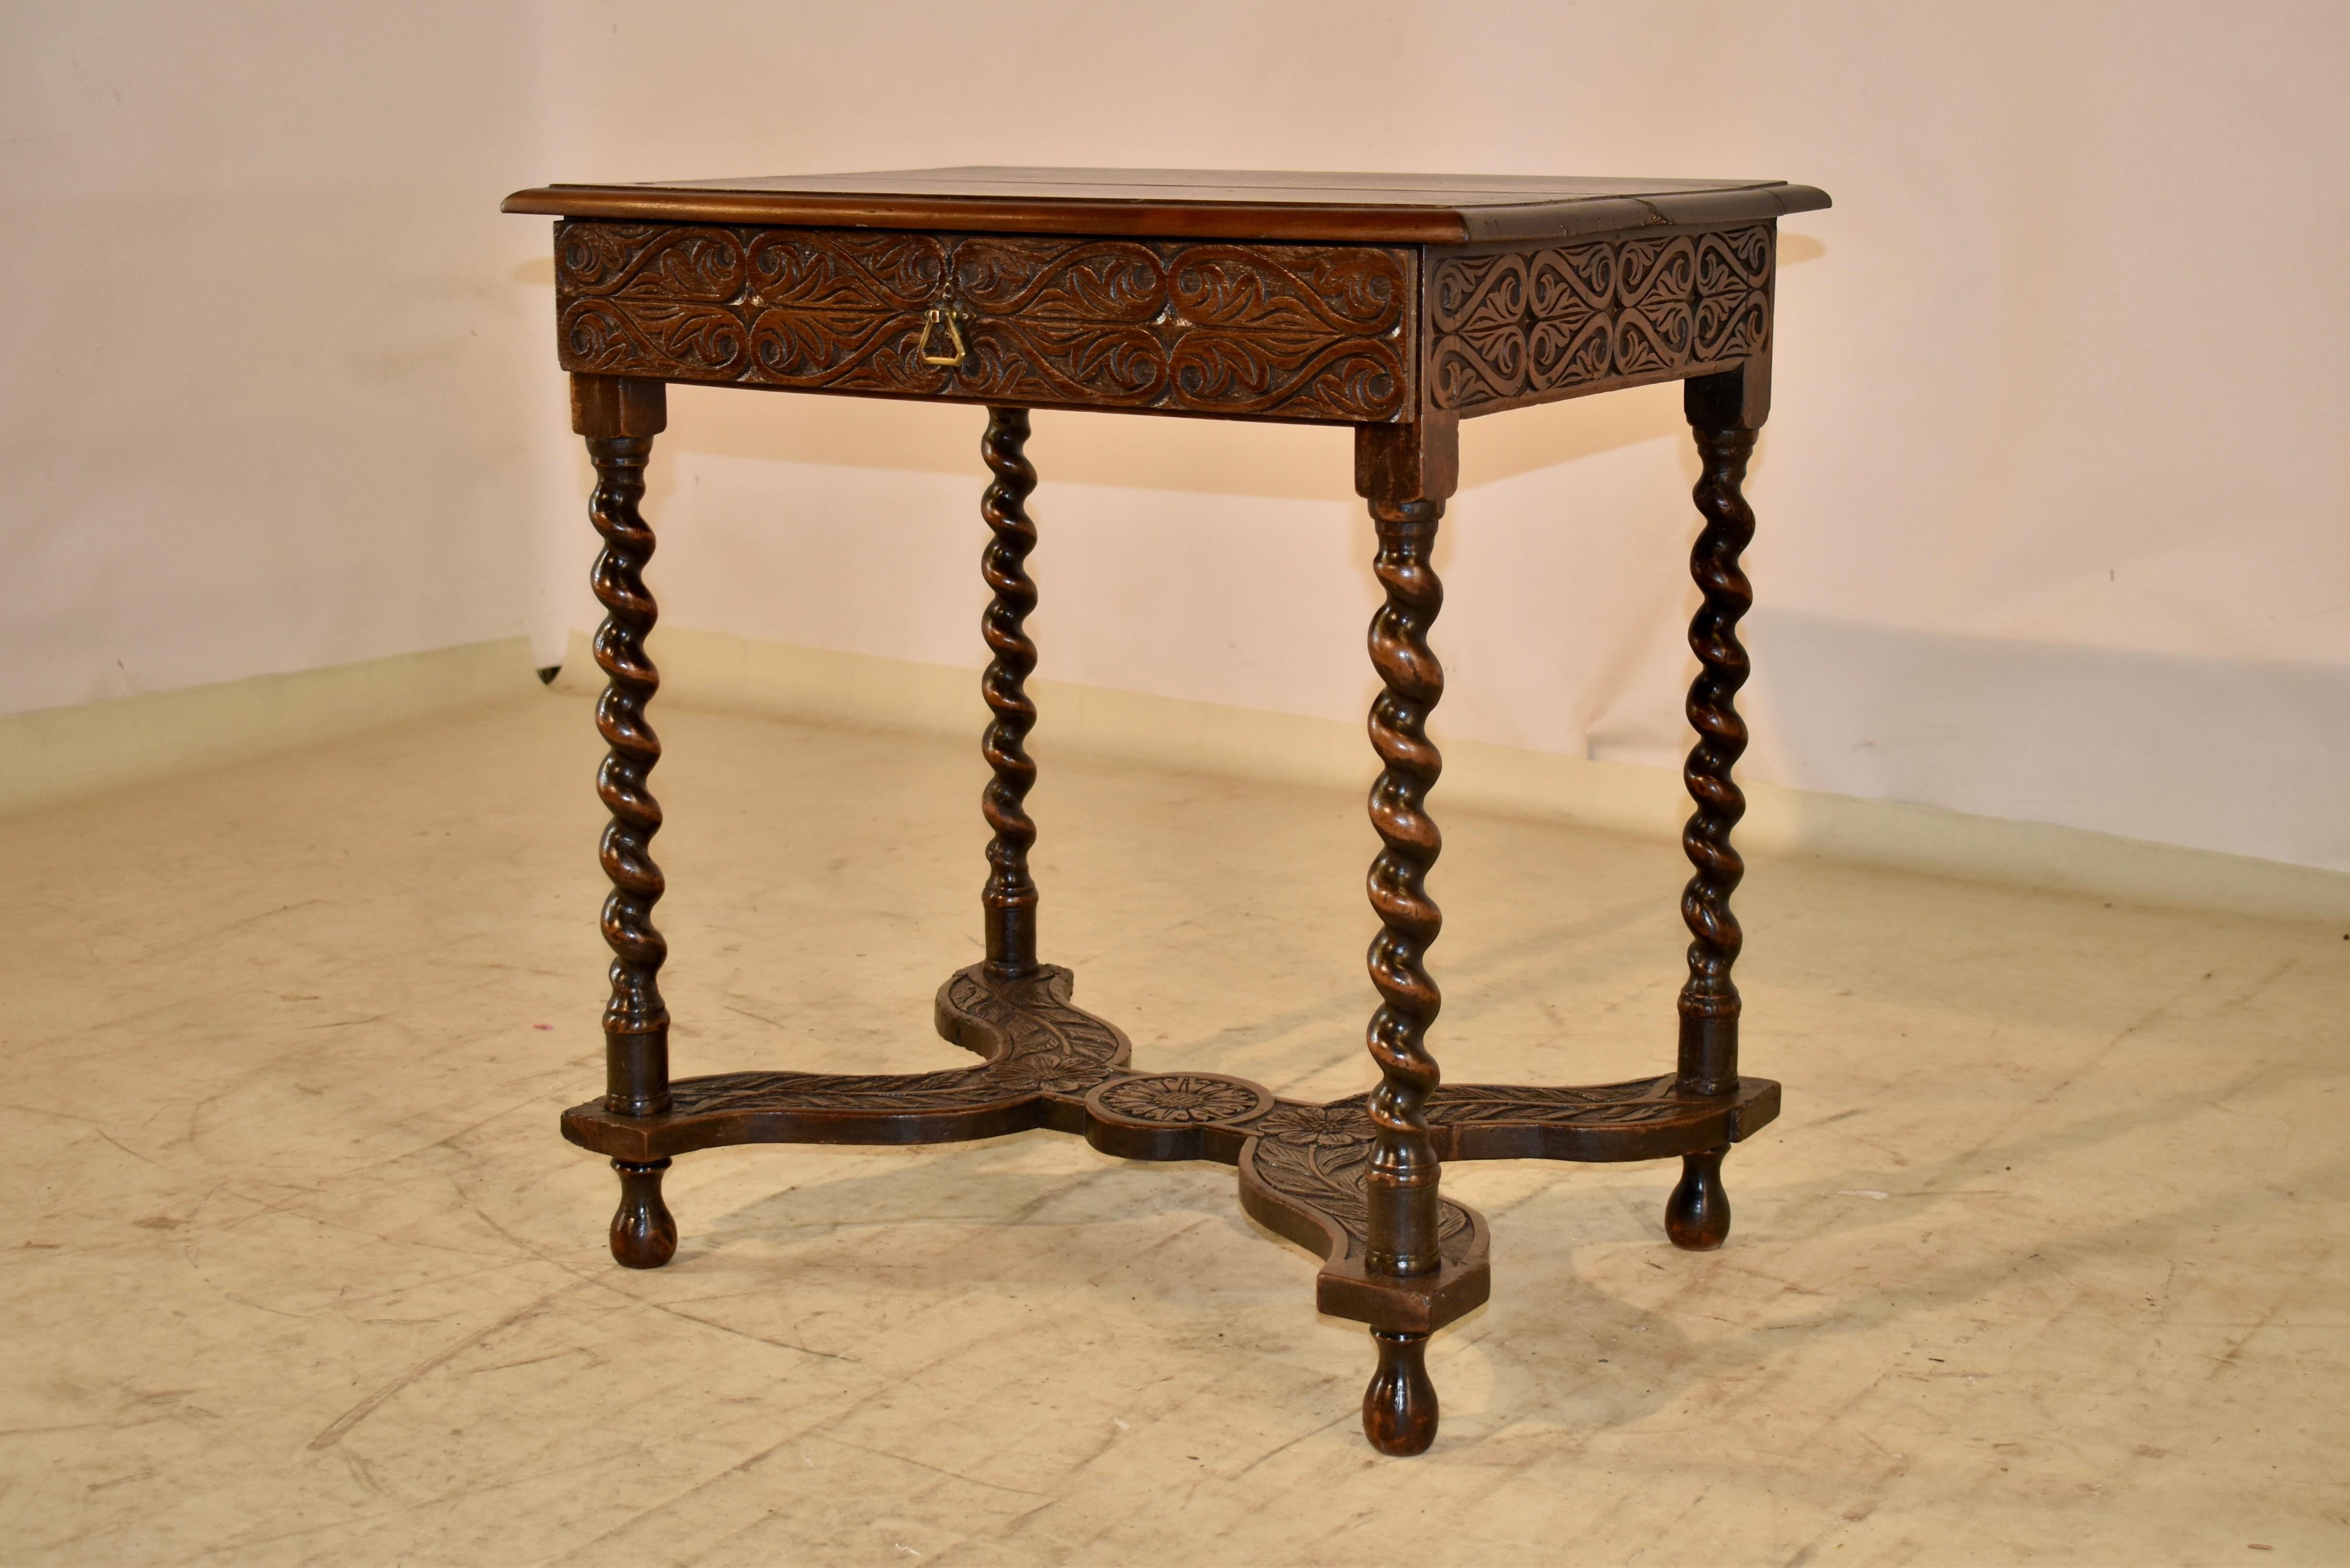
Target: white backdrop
[[267, 378], [2052, 515]]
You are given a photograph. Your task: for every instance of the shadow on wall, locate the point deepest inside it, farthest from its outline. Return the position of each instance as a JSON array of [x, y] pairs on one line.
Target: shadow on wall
[[1217, 457], [2235, 755]]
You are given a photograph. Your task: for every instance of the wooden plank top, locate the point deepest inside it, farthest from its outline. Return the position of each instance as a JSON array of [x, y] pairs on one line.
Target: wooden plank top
[[1190, 203]]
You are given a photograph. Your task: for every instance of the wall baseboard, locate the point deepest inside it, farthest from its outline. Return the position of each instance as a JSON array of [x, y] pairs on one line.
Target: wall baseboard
[[53, 752], [711, 669]]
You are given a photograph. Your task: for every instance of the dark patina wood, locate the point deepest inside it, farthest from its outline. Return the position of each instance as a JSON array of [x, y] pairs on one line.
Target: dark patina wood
[[619, 420], [1397, 305], [1511, 325], [1010, 897], [1192, 204], [1322, 333]]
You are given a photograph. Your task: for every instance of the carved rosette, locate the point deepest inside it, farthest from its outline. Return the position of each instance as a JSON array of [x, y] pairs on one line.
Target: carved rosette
[[1308, 332], [1522, 325], [1179, 1099]]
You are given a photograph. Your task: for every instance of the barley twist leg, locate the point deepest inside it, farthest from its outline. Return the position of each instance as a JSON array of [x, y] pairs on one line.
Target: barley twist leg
[[619, 420], [1009, 901], [1725, 422], [1405, 473], [1404, 1169]]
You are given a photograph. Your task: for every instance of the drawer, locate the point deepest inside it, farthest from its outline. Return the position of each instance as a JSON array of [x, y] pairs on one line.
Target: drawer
[[1260, 331]]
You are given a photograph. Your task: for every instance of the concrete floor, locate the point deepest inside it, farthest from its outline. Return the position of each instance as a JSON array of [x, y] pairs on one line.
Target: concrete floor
[[2045, 1260]]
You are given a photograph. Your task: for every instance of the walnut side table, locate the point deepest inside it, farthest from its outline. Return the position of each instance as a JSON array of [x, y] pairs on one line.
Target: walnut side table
[[1395, 304]]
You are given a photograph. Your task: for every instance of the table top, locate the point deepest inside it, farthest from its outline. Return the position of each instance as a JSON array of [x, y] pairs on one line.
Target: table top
[[1190, 203]]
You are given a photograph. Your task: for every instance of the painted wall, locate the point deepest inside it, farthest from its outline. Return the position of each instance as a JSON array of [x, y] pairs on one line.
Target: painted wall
[[271, 367], [2053, 517], [2051, 524]]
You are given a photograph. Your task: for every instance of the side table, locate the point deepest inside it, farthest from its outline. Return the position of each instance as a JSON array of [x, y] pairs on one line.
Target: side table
[[1396, 303]]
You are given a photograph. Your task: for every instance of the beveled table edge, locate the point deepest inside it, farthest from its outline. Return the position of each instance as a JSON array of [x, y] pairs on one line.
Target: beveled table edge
[[1434, 225]]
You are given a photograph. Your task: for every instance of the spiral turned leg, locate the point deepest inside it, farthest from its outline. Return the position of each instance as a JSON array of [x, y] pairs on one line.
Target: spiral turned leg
[[620, 417], [1009, 901], [1404, 1170], [1405, 473], [1725, 413]]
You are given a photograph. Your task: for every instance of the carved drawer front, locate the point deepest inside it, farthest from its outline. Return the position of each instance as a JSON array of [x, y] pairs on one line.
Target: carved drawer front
[[1528, 325], [1302, 332]]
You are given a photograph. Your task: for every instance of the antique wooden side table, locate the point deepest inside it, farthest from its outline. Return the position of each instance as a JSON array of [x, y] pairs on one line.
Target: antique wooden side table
[[1396, 303]]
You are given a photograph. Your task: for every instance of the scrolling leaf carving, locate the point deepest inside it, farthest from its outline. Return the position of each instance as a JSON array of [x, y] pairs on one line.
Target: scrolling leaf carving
[[1523, 326], [1310, 332]]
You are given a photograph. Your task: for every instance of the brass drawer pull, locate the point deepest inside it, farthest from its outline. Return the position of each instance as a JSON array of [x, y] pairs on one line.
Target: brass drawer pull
[[939, 316]]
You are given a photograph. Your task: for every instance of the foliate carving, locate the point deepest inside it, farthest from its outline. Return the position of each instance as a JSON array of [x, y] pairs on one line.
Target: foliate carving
[[1046, 1043], [681, 264], [1313, 332], [1304, 1169], [1108, 281], [1526, 325], [1335, 1125], [724, 1093], [1288, 288], [1318, 1157], [676, 283], [1041, 1046], [853, 271], [1642, 1101]]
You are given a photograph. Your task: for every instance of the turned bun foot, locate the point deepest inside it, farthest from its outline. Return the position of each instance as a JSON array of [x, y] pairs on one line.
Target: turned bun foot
[[643, 1234], [1696, 1216], [1400, 1407]]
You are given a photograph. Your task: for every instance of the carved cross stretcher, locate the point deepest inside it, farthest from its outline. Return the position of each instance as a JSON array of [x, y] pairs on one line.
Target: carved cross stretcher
[[1397, 305]]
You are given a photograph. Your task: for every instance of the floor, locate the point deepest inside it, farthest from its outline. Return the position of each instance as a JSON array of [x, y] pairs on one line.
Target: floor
[[2046, 1259]]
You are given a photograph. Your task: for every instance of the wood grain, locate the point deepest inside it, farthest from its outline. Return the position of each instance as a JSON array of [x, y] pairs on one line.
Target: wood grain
[[1047, 1063], [1510, 327], [1397, 305], [1192, 203], [1294, 332]]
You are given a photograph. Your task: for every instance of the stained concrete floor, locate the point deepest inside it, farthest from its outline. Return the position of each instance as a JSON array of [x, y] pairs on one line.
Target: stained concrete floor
[[2045, 1260]]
